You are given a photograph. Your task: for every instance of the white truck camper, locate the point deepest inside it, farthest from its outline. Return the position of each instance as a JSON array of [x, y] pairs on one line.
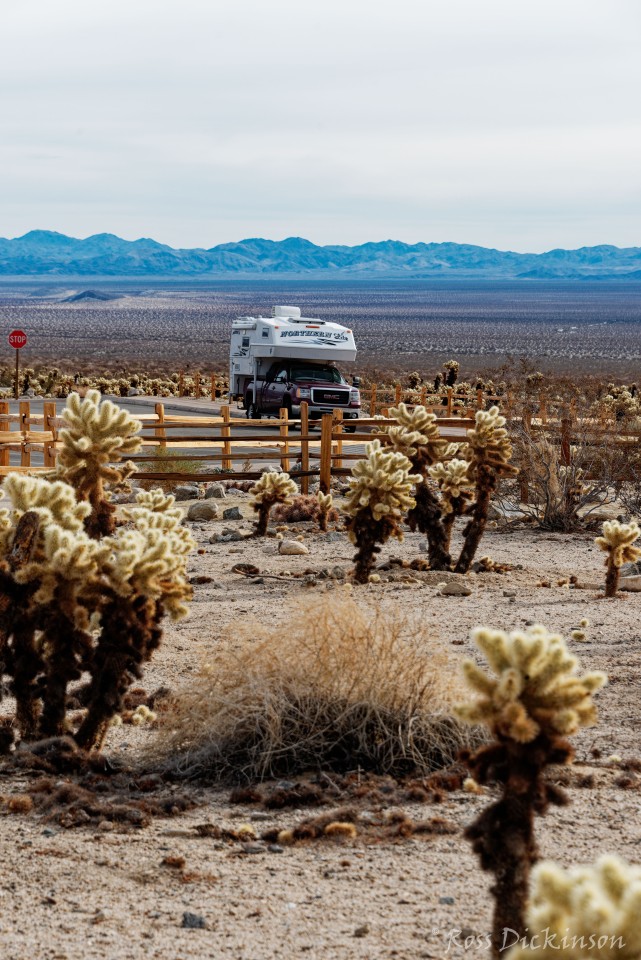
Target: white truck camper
[[276, 362]]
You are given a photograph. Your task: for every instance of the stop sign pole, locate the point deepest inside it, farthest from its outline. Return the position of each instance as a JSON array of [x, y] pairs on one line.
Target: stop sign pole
[[17, 339]]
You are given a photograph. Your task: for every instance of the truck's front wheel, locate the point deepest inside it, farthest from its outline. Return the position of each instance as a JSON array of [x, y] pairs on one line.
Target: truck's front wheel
[[253, 413]]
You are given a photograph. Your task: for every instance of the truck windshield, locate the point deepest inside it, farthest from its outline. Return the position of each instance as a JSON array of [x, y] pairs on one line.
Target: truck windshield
[[324, 374]]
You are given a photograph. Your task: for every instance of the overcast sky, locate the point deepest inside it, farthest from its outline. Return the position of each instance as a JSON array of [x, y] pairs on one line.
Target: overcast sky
[[507, 123]]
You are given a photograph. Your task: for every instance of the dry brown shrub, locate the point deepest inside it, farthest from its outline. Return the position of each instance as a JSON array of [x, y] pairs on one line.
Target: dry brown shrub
[[337, 687], [302, 508]]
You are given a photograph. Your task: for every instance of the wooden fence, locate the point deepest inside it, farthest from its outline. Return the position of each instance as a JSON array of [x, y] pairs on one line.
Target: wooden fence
[[236, 448]]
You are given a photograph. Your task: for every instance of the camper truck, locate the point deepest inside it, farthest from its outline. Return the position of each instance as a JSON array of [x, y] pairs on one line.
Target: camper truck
[[277, 362]]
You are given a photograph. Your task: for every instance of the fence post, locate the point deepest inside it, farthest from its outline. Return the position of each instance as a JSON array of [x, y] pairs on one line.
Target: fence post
[[449, 401], [25, 423], [212, 392], [524, 484], [49, 413], [181, 383], [160, 431], [397, 394], [225, 431], [337, 416], [423, 400], [327, 427], [5, 424], [304, 446], [283, 414], [479, 399], [372, 401]]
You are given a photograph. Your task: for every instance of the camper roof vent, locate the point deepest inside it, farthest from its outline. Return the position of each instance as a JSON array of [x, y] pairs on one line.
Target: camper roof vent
[[292, 312]]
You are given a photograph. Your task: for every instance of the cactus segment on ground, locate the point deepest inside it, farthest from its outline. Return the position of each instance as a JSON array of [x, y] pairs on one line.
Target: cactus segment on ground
[[272, 488], [617, 541], [530, 700], [380, 493]]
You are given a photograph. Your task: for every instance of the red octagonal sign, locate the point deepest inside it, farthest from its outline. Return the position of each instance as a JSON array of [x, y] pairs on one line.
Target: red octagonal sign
[[17, 339]]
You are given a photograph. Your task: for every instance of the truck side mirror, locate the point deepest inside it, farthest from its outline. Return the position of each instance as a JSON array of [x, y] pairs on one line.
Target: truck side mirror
[[356, 381]]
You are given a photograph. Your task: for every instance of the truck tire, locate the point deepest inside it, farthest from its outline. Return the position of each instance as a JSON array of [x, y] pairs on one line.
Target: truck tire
[[253, 413]]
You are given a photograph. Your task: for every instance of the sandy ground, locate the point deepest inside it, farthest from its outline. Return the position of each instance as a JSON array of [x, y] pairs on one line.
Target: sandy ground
[[83, 894]]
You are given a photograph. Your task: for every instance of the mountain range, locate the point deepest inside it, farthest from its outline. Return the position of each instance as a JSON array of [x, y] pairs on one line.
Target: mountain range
[[45, 253]]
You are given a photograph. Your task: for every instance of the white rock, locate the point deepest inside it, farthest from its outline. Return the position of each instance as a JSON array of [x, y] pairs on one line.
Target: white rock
[[202, 511], [216, 492], [292, 548]]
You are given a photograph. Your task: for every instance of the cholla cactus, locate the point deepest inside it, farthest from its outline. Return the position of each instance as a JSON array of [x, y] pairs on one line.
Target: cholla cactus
[[617, 541], [71, 604], [380, 493], [417, 437], [587, 911], [325, 504], [455, 487], [530, 706], [451, 368], [272, 488], [488, 452], [96, 436]]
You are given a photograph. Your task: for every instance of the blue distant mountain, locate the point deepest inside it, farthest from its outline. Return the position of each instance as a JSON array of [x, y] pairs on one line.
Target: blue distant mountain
[[43, 253]]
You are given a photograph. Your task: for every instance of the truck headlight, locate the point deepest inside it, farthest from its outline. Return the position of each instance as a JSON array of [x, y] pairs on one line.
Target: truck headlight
[[304, 393], [354, 396]]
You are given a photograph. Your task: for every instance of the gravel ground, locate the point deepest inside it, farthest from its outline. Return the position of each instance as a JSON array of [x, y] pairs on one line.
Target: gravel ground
[[89, 893]]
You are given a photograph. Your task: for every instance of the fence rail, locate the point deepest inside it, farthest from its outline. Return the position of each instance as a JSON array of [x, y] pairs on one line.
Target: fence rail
[[234, 448]]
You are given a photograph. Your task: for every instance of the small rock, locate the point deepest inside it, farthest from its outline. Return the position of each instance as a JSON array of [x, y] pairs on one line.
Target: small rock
[[105, 826], [184, 492], [99, 917], [334, 536], [455, 589], [292, 548], [448, 901], [260, 815], [362, 931], [252, 848], [631, 584], [257, 580], [47, 832], [423, 547], [232, 513], [215, 492], [202, 511], [275, 848], [338, 573], [193, 921], [509, 593]]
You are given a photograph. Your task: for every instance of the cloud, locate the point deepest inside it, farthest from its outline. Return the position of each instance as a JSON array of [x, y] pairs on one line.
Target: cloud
[[497, 123]]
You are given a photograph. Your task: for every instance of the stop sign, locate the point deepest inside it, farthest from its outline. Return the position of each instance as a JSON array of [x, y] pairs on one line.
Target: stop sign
[[17, 339]]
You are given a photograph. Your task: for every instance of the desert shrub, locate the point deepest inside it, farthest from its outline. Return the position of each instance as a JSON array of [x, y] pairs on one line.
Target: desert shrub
[[333, 687], [564, 496], [303, 508], [169, 460]]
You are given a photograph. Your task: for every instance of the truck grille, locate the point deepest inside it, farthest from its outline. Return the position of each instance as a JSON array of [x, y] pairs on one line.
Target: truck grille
[[328, 396]]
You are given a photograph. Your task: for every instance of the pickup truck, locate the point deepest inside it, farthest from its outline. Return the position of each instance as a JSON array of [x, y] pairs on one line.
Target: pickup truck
[[287, 382]]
